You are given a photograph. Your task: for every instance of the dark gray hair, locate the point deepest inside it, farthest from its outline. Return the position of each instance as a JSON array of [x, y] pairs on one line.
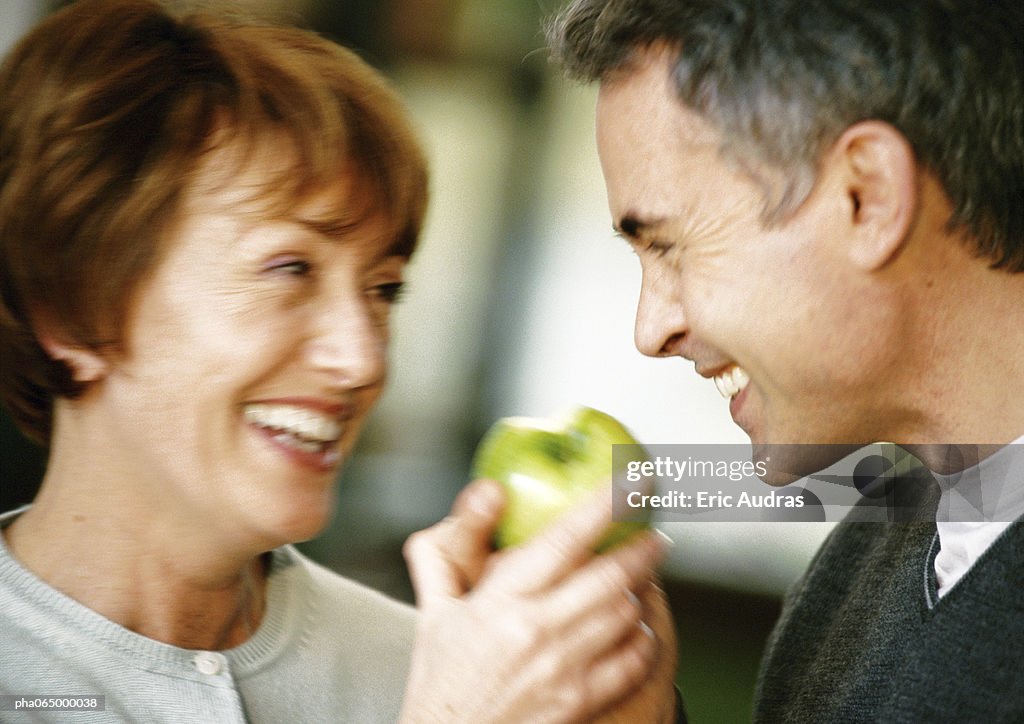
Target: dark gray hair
[[782, 79]]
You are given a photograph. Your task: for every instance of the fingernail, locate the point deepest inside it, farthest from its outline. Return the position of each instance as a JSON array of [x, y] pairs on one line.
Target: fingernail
[[485, 498], [648, 631], [632, 598], [668, 540]]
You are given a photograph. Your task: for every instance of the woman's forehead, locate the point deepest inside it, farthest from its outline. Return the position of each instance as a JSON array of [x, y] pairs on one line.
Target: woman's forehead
[[263, 174], [268, 180]]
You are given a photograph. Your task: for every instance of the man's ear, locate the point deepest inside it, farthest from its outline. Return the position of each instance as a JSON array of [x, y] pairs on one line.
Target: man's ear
[[86, 365], [879, 173]]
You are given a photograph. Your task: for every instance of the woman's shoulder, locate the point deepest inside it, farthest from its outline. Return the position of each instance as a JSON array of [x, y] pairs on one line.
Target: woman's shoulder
[[337, 592], [327, 633]]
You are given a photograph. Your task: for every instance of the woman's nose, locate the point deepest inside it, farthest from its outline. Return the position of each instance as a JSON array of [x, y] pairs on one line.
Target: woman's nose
[[349, 343]]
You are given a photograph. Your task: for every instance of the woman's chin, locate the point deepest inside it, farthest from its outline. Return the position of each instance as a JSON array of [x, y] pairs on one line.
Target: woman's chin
[[289, 514], [298, 521]]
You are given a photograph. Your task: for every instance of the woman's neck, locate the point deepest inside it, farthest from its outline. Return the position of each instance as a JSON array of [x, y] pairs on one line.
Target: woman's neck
[[139, 569]]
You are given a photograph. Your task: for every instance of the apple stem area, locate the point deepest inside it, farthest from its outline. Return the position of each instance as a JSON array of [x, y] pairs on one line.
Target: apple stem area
[[564, 449]]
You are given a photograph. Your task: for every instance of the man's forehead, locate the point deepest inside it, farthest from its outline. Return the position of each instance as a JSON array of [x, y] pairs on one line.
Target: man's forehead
[[641, 98], [656, 153]]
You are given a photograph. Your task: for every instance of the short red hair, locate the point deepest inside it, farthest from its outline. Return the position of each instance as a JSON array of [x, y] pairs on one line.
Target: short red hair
[[107, 109]]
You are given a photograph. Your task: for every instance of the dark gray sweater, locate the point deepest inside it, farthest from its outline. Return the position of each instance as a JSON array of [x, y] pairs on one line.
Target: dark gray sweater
[[864, 638]]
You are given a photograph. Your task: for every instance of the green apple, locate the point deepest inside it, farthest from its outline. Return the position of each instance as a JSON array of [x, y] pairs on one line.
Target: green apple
[[547, 466]]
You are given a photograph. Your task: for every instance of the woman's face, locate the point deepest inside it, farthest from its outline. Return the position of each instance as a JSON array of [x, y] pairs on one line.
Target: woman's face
[[253, 354]]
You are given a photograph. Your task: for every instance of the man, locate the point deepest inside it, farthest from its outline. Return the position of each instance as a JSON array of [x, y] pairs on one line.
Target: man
[[826, 200]]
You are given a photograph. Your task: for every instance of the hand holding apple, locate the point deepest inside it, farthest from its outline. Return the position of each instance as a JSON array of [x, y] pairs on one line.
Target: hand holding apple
[[547, 466], [544, 631]]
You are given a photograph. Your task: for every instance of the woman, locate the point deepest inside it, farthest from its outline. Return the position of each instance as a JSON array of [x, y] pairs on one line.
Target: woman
[[203, 226]]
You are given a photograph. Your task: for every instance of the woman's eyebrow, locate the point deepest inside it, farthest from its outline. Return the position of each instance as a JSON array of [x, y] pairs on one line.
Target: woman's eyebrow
[[333, 226]]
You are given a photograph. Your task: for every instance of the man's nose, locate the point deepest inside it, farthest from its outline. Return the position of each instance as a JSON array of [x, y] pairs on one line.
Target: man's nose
[[660, 322]]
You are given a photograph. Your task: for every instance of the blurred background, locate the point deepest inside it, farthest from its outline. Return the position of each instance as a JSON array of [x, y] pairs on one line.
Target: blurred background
[[520, 302]]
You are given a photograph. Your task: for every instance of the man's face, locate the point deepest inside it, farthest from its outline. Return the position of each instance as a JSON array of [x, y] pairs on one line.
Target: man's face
[[798, 337]]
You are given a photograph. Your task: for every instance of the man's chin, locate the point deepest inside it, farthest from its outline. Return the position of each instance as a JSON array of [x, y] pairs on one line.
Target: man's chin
[[786, 463]]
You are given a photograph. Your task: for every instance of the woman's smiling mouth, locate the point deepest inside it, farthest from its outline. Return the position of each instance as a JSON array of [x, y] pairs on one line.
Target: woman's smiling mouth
[[310, 436]]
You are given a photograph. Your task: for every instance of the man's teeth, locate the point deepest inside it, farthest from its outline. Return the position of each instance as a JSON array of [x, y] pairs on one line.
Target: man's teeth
[[299, 427], [731, 382]]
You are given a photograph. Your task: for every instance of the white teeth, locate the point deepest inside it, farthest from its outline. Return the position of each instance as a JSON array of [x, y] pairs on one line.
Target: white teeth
[[298, 443], [731, 382], [304, 426]]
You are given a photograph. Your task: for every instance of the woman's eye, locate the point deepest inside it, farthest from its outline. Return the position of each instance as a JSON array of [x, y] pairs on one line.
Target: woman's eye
[[293, 267], [390, 292]]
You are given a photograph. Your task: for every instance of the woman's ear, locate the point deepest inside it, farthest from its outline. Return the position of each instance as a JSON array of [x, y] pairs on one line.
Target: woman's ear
[[879, 173], [86, 365]]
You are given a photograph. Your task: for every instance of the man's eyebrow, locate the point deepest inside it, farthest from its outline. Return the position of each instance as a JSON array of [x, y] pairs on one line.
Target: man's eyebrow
[[632, 228]]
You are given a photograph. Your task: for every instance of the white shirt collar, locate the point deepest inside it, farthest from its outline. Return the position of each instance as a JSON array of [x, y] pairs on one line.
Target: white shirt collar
[[975, 507]]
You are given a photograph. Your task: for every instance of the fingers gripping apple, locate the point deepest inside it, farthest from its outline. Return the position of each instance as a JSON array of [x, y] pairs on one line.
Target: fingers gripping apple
[[546, 466]]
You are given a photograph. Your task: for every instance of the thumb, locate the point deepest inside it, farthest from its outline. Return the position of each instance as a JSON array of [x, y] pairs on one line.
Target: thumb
[[474, 517], [447, 559]]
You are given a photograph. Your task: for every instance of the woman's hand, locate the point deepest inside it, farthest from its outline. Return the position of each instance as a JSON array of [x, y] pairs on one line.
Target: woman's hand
[[546, 631]]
